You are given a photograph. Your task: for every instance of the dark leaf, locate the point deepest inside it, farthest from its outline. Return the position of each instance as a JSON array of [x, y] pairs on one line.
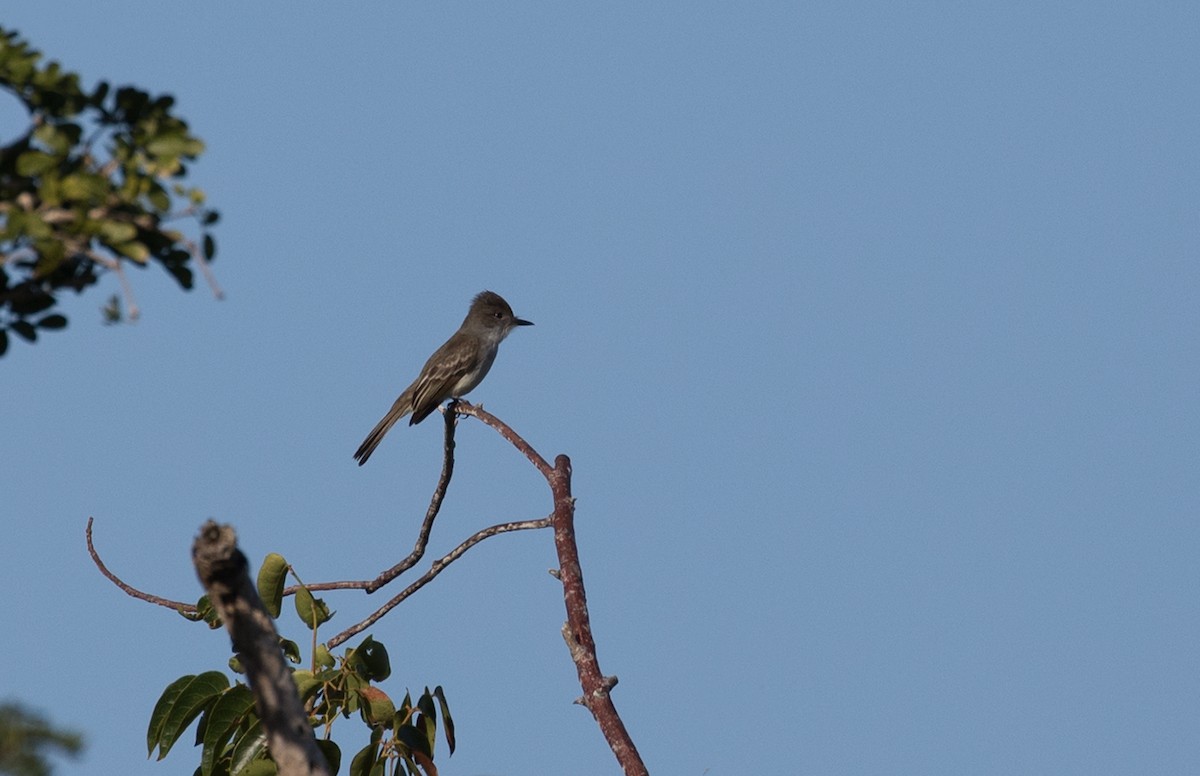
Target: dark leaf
[[447, 720], [222, 721], [53, 321], [25, 329], [249, 746], [182, 701], [333, 755], [364, 759], [371, 660], [27, 299], [182, 275]]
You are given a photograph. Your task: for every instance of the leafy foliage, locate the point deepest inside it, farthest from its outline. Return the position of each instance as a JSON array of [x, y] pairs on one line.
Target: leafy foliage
[[25, 738], [89, 187], [400, 739]]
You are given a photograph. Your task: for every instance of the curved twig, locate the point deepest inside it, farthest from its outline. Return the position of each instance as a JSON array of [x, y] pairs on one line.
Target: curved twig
[[475, 411], [178, 606]]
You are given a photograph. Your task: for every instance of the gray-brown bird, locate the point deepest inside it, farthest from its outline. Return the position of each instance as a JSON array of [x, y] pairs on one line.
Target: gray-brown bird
[[454, 369]]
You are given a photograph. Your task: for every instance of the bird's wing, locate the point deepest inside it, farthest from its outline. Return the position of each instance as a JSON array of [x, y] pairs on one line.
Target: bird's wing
[[444, 370]]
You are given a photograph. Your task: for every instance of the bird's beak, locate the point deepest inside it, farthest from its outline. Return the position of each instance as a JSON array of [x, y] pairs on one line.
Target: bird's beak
[[522, 322]]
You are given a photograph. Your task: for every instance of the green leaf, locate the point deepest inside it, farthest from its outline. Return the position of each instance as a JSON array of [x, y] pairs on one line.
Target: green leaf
[[306, 683], [175, 144], [377, 708], [86, 187], [250, 745], [222, 722], [205, 611], [271, 576], [182, 701], [34, 163], [291, 650], [371, 660], [427, 721], [58, 138], [160, 200], [333, 755], [158, 717], [115, 232], [54, 321], [260, 768], [134, 250], [323, 658], [364, 759], [447, 721], [313, 611]]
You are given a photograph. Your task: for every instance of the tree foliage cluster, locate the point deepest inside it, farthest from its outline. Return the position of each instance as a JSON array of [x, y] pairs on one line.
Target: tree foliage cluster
[[26, 738], [92, 184], [400, 737]]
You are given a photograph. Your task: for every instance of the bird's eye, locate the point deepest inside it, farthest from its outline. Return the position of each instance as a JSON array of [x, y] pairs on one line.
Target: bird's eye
[[497, 316]]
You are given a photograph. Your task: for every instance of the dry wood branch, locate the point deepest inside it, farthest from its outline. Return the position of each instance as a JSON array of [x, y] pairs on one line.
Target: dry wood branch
[[222, 569], [578, 629], [478, 412], [437, 568], [435, 504], [179, 606]]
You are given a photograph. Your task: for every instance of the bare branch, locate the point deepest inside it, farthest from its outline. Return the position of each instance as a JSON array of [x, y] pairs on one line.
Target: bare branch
[[435, 504], [114, 264], [178, 606], [476, 411], [437, 568], [205, 270], [578, 629]]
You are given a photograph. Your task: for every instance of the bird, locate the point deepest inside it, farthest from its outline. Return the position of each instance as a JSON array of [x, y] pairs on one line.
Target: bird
[[454, 369]]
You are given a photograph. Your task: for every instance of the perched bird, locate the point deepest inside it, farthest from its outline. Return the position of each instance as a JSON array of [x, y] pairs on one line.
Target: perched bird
[[454, 369]]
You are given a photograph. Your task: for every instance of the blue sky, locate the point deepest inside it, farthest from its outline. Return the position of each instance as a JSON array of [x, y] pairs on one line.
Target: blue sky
[[871, 330]]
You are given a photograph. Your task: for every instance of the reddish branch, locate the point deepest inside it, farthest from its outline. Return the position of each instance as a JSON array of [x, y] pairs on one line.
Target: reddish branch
[[577, 631]]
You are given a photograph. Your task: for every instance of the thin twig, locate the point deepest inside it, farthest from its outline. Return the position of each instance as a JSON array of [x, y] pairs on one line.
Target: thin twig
[[435, 569], [435, 504], [178, 606], [130, 301], [476, 411], [205, 270]]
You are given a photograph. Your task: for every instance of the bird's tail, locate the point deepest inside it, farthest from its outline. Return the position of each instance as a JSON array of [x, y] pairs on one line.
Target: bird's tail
[[401, 408]]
